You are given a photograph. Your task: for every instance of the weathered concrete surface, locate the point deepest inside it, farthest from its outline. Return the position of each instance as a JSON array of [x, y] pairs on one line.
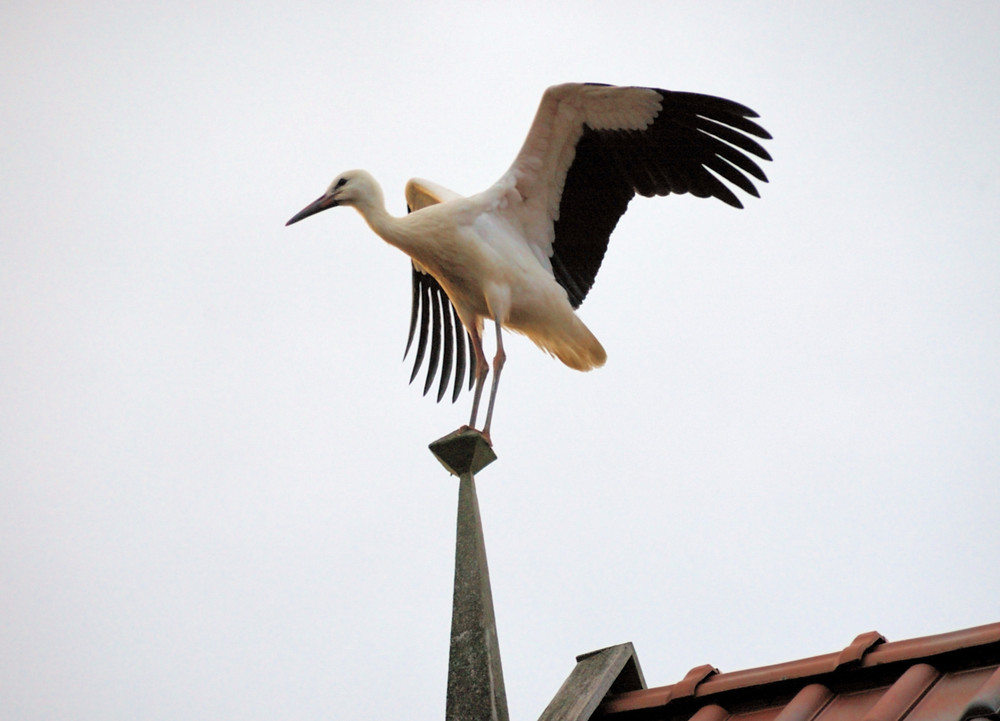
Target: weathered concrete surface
[[475, 676], [615, 670]]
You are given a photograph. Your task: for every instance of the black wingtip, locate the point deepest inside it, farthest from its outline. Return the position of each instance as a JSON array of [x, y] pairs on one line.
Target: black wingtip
[[432, 361], [441, 331]]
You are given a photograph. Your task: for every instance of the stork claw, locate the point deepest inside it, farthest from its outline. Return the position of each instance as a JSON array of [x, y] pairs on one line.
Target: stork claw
[[484, 434]]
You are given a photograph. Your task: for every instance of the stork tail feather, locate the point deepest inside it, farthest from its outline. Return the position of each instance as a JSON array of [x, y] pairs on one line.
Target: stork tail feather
[[572, 343]]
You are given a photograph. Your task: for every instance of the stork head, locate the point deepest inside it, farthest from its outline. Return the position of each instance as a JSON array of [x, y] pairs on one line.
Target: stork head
[[350, 188]]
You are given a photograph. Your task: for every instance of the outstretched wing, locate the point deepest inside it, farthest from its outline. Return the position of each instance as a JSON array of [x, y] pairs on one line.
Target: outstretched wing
[[439, 322], [591, 148]]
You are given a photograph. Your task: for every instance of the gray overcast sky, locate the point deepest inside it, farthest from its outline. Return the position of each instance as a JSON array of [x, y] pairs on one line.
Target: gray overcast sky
[[216, 500]]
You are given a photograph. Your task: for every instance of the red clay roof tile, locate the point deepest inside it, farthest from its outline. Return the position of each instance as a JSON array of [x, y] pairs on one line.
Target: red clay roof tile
[[948, 677]]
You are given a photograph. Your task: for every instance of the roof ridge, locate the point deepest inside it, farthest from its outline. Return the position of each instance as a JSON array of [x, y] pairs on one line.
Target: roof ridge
[[867, 650]]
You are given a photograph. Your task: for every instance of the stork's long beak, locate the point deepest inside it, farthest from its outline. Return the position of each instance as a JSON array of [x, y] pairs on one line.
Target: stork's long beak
[[321, 203]]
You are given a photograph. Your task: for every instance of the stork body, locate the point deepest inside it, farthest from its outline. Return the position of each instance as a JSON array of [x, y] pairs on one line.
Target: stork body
[[524, 253]]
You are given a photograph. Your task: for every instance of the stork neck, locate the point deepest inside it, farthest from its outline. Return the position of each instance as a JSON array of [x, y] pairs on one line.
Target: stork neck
[[385, 225]]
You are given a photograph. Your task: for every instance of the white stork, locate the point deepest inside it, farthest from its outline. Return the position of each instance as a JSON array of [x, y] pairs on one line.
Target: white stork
[[525, 252]]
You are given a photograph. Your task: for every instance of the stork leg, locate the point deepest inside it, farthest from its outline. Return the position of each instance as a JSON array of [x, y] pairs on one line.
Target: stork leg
[[482, 369], [498, 361]]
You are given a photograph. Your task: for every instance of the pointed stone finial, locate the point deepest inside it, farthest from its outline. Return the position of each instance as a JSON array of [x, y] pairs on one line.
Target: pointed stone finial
[[464, 451]]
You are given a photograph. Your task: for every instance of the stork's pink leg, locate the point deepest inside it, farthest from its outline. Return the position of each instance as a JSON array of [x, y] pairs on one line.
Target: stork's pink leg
[[498, 361], [482, 369]]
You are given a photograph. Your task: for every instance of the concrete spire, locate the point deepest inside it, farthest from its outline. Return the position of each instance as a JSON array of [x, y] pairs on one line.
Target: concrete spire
[[475, 677]]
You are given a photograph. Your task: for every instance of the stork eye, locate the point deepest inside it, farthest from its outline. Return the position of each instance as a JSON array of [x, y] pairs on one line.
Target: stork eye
[[340, 183]]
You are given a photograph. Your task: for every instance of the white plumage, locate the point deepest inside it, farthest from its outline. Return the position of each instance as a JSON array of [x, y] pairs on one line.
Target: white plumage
[[525, 252]]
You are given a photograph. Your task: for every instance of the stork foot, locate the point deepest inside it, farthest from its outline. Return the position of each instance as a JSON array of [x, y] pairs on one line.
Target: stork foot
[[484, 434]]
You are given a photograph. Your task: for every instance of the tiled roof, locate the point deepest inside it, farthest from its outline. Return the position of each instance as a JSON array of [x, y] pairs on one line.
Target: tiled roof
[[949, 677]]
